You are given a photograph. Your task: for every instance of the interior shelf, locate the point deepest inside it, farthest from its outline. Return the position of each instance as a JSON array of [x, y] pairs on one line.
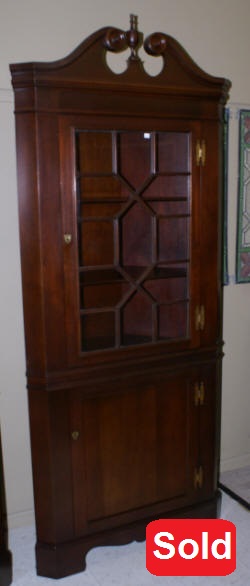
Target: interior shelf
[[112, 200], [167, 273], [97, 343], [151, 176], [109, 275], [99, 276]]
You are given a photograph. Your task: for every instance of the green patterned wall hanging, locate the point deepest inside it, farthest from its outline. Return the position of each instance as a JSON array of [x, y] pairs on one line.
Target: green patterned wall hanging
[[225, 278], [243, 223]]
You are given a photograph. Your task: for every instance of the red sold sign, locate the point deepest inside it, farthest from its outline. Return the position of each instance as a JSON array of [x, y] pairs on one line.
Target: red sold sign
[[191, 547]]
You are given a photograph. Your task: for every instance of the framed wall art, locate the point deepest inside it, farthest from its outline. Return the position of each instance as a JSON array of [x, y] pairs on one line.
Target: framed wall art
[[243, 220], [225, 277]]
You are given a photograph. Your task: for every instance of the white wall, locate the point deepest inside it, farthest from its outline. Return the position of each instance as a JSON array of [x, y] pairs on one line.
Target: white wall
[[216, 34]]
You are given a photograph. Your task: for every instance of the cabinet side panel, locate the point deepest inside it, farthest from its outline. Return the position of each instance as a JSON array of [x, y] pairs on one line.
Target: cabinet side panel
[[51, 459], [61, 464], [41, 463], [211, 235], [52, 240], [29, 223]]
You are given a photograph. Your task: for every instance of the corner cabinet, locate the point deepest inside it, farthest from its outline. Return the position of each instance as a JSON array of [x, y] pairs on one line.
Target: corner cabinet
[[119, 181]]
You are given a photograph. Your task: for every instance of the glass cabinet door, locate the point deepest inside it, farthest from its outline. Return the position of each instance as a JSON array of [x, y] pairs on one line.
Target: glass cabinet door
[[133, 192]]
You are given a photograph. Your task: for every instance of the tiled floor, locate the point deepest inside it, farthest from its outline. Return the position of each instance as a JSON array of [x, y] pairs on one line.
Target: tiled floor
[[125, 565], [238, 481]]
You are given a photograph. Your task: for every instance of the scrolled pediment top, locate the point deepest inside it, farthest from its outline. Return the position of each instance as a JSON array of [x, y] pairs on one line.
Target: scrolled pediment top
[[88, 64]]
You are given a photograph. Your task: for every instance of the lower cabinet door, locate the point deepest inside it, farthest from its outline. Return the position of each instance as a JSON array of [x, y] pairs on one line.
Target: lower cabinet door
[[137, 448]]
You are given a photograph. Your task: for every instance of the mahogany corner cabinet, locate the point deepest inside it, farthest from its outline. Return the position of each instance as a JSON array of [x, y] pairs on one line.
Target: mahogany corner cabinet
[[120, 193]]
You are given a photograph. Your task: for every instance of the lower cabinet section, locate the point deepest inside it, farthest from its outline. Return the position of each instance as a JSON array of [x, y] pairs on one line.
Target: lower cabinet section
[[115, 456]]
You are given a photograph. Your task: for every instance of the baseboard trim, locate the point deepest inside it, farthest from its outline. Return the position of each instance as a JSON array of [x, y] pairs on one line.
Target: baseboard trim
[[234, 463], [16, 520]]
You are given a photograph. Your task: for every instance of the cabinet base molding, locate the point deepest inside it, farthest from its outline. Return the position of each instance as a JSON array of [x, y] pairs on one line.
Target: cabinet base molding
[[63, 559]]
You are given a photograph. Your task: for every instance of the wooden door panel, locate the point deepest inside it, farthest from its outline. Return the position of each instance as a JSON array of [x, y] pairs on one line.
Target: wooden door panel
[[139, 448], [123, 450]]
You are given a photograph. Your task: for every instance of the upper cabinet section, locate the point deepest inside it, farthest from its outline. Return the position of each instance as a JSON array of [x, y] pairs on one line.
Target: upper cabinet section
[[119, 202], [86, 69]]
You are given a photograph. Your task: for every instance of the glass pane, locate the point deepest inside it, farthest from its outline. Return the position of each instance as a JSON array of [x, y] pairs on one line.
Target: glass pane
[[173, 239], [134, 156], [137, 321], [92, 236], [168, 187], [173, 152], [168, 289], [99, 276], [102, 210], [99, 188], [98, 331], [173, 320], [169, 208], [136, 236], [94, 153], [106, 295]]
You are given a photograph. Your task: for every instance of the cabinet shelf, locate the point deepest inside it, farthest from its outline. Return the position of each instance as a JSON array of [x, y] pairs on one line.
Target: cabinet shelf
[[100, 277], [106, 342], [112, 200], [167, 273], [109, 275], [97, 199], [151, 176]]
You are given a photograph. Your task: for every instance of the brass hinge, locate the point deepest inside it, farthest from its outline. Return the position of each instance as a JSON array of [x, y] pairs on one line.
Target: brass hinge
[[201, 152], [199, 394], [198, 477], [200, 317]]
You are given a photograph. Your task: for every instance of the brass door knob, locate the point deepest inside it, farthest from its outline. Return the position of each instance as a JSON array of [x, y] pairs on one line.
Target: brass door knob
[[67, 238], [75, 435]]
